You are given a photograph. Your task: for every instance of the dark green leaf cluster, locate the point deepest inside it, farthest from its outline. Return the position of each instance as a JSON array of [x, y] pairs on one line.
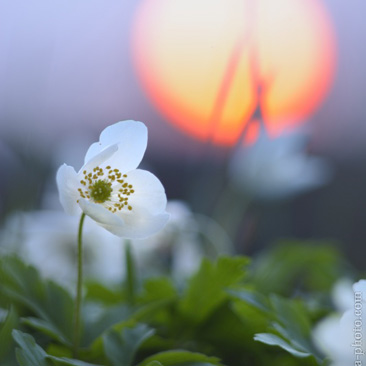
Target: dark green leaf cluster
[[226, 314]]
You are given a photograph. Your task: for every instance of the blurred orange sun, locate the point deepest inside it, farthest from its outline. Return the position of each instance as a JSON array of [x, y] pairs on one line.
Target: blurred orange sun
[[213, 66]]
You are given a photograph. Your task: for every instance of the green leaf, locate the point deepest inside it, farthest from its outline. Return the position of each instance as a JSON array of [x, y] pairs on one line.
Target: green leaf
[[253, 298], [291, 314], [274, 340], [59, 350], [140, 314], [108, 316], [180, 358], [97, 292], [29, 353], [68, 361], [229, 334], [118, 318], [121, 347], [155, 289], [6, 339], [207, 288], [21, 284], [154, 363], [45, 327]]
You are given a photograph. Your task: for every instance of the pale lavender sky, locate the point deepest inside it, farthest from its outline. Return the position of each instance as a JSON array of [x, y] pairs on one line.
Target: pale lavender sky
[[65, 69]]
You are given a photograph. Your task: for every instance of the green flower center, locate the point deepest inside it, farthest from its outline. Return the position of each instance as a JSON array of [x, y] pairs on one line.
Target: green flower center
[[107, 186], [100, 191]]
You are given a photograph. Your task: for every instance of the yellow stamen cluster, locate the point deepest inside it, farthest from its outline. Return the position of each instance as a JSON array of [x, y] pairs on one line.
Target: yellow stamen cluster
[[101, 183]]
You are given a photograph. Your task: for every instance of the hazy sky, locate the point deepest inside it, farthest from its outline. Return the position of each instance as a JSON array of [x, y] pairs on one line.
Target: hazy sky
[[65, 66]]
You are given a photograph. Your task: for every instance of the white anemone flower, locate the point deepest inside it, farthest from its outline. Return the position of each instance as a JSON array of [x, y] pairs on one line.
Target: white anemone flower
[[343, 338], [126, 201], [278, 168], [342, 295]]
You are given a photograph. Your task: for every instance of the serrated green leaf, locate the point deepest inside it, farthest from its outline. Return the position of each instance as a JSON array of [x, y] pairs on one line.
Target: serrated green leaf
[[121, 347], [274, 340], [6, 339], [29, 353], [207, 288], [180, 358]]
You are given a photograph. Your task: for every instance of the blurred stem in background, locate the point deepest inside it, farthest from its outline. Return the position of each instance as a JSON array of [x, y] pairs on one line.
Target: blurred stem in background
[[130, 273]]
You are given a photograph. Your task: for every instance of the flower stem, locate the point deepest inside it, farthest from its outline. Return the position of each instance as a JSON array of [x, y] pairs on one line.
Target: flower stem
[[130, 273], [78, 289]]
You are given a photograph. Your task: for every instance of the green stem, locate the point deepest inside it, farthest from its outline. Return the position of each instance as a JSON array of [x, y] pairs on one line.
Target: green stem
[[78, 289], [130, 273]]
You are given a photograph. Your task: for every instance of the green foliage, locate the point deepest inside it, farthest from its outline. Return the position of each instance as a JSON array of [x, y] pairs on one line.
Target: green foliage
[[295, 265], [291, 328], [52, 304], [29, 353], [228, 313], [6, 341], [206, 289], [274, 340], [180, 358], [121, 347]]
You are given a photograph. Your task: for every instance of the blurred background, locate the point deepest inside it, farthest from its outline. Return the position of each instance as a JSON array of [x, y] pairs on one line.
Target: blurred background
[[255, 110]]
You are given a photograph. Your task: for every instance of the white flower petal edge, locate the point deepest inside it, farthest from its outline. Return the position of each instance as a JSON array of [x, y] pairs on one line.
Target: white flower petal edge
[[100, 158], [139, 225], [67, 183], [99, 213], [131, 137]]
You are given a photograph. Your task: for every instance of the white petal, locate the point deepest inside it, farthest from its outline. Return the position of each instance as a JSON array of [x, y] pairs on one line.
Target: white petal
[[149, 192], [131, 137], [99, 213], [139, 224], [67, 184], [100, 157]]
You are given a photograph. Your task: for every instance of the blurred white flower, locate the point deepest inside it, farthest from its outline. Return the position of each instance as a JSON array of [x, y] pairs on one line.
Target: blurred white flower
[[126, 201], [276, 168], [3, 314], [47, 240], [343, 338], [180, 245], [342, 295]]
